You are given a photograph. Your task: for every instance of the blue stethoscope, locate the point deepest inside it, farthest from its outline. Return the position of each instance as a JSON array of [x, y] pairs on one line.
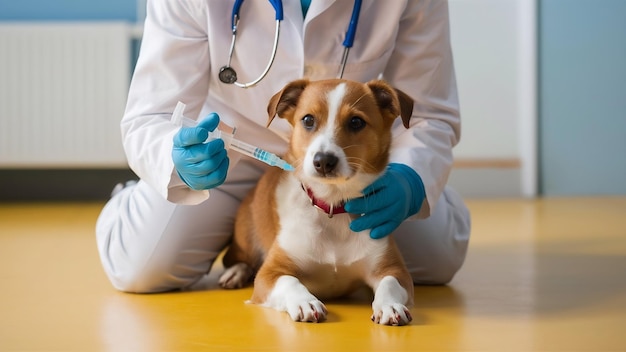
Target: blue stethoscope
[[229, 76]]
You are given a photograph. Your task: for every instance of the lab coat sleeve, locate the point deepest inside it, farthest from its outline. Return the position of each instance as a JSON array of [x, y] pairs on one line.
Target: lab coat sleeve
[[173, 65], [421, 65]]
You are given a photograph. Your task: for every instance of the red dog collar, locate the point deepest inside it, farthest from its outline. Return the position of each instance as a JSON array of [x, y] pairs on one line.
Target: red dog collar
[[329, 209]]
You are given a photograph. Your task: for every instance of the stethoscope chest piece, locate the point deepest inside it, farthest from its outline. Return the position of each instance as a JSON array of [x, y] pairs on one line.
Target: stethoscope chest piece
[[228, 75]]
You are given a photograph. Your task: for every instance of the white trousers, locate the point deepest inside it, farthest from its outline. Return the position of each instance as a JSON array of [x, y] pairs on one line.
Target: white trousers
[[148, 244]]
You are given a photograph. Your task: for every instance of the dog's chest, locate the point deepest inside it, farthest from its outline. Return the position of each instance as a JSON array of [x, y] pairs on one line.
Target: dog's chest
[[309, 236]]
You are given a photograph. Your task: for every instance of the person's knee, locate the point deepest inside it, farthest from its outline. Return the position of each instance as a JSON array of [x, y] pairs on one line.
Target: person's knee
[[144, 269], [154, 247], [150, 280], [436, 273], [132, 282], [152, 270], [443, 242], [439, 264]]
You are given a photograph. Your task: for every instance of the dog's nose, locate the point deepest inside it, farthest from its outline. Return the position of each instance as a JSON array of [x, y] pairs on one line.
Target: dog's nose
[[324, 163]]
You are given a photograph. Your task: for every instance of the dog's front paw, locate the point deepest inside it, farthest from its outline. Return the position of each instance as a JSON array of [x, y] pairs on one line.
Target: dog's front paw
[[313, 311], [237, 276], [392, 314]]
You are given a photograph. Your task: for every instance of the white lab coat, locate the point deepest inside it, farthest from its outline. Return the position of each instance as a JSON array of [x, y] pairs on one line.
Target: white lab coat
[[405, 42]]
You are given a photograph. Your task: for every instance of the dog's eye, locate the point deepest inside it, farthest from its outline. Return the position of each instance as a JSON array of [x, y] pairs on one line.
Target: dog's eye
[[308, 122], [356, 124]]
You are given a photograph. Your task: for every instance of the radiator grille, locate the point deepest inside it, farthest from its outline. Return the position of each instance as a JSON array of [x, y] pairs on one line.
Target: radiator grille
[[62, 89]]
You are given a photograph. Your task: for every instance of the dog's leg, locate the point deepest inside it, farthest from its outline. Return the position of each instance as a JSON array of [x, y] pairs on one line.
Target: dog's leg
[[236, 276], [388, 305], [276, 286], [241, 259], [238, 266], [393, 289], [290, 295]]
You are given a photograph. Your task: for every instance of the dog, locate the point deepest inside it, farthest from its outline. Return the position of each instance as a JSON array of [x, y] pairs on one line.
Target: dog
[[292, 231]]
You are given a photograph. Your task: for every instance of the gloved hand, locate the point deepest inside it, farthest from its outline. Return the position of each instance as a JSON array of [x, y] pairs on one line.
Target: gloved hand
[[201, 166], [388, 201]]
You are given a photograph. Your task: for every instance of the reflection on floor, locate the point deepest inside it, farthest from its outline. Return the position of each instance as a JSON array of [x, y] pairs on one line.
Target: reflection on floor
[[541, 275]]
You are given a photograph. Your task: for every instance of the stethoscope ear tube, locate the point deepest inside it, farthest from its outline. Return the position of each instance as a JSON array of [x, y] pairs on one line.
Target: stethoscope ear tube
[[235, 16], [269, 63], [228, 74], [354, 20], [350, 34], [276, 4], [278, 8]]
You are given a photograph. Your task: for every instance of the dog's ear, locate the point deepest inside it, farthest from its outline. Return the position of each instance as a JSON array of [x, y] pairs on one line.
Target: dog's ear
[[285, 100], [393, 100], [406, 107]]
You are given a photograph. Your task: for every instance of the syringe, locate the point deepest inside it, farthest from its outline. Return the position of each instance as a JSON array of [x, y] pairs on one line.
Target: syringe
[[230, 142]]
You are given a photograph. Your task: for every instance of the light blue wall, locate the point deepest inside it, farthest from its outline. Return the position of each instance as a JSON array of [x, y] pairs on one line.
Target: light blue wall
[[73, 10], [582, 102]]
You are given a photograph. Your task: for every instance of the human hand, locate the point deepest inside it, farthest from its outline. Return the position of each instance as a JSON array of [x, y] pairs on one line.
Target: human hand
[[388, 201], [200, 165]]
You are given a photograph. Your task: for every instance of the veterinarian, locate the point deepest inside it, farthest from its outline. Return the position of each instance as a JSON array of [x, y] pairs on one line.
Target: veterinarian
[[165, 231]]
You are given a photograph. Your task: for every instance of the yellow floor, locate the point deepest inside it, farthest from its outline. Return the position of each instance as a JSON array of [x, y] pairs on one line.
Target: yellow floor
[[545, 275]]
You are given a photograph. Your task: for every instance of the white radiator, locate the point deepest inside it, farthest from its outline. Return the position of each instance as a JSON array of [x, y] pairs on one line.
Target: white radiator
[[63, 90]]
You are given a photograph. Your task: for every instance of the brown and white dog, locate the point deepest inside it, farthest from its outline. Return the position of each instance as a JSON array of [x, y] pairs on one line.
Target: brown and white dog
[[292, 228]]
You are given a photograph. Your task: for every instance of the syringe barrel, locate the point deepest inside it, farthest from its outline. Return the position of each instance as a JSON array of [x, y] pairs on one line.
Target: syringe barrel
[[229, 141], [243, 147]]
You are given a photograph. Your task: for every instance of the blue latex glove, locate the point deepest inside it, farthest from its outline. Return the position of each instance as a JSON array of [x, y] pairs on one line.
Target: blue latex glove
[[200, 165], [388, 201]]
